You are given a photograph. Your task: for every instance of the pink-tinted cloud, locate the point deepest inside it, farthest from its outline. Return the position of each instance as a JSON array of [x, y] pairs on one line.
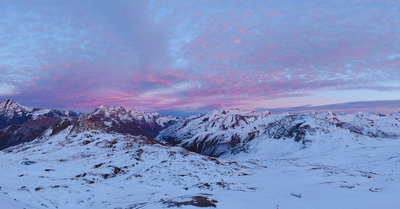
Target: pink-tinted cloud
[[156, 55]]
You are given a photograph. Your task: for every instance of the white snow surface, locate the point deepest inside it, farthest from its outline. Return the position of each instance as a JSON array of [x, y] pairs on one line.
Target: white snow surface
[[79, 171], [337, 169]]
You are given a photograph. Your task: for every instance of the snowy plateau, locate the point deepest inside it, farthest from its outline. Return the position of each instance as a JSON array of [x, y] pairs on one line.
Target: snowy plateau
[[113, 157]]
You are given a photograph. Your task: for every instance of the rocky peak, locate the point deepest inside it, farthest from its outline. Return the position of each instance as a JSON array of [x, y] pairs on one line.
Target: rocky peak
[[119, 114], [8, 103], [10, 109], [11, 113], [114, 112]]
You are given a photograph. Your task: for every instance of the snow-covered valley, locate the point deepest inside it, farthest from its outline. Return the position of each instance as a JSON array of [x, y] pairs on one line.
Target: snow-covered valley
[[293, 161]]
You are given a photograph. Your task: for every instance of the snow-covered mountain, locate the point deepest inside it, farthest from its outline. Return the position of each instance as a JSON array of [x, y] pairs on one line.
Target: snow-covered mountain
[[11, 113], [219, 131], [96, 169], [117, 120], [121, 120], [23, 124], [20, 124], [115, 157]]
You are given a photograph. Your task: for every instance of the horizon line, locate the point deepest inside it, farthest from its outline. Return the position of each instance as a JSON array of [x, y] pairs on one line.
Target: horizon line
[[374, 106]]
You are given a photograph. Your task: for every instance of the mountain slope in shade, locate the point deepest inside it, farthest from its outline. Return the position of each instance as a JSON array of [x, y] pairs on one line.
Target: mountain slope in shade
[[29, 131]]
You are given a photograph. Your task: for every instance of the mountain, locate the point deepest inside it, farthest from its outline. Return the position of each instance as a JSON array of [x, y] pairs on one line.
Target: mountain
[[98, 169], [212, 134], [118, 120], [130, 121], [310, 160], [219, 131], [11, 113], [28, 131], [20, 124]]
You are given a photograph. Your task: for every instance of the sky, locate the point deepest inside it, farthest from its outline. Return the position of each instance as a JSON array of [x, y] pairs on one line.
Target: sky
[[199, 55]]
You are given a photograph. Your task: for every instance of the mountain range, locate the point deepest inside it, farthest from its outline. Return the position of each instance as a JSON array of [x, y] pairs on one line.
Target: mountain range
[[102, 157], [210, 134]]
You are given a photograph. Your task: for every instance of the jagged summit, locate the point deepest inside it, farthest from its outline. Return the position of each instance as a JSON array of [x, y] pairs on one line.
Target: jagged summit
[[106, 107], [8, 103], [120, 113], [114, 111], [13, 113]]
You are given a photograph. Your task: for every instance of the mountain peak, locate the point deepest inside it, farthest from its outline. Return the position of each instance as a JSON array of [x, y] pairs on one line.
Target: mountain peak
[[111, 108], [9, 103], [103, 106]]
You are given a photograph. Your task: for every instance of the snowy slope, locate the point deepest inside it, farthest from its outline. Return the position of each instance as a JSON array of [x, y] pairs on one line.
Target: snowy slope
[[337, 170], [6, 202], [94, 169], [219, 131], [99, 160], [100, 170]]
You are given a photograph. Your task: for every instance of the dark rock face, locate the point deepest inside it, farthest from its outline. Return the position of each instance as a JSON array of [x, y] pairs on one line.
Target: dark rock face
[[291, 127], [197, 201], [19, 124], [30, 130]]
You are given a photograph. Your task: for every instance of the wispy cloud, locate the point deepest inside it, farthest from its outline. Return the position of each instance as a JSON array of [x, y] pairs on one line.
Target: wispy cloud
[[158, 55], [383, 107]]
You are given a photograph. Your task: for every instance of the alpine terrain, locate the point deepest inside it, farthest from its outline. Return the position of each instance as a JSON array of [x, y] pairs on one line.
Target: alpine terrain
[[115, 157]]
